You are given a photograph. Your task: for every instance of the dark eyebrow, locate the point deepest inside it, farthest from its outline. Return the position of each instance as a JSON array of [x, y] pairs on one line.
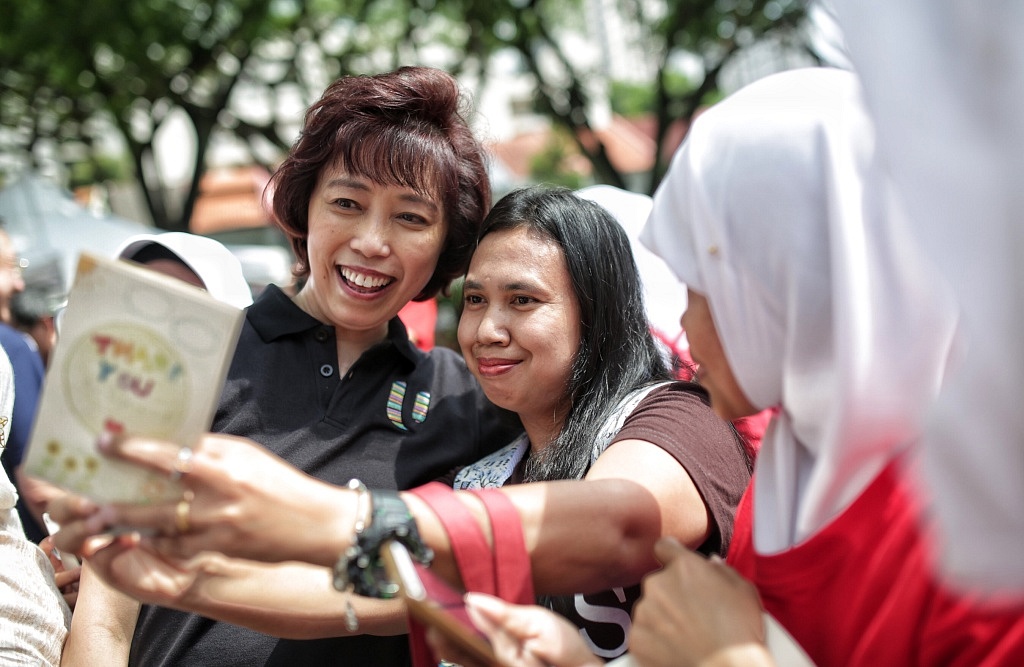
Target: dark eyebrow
[[417, 199], [357, 184], [507, 287], [348, 182]]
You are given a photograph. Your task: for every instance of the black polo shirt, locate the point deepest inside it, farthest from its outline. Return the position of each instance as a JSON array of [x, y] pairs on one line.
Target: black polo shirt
[[399, 418]]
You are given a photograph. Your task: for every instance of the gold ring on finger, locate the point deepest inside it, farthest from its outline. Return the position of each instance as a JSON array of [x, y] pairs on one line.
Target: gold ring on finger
[[182, 512]]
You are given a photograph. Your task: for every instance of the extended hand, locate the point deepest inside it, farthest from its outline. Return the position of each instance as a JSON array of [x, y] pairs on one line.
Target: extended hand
[[696, 612], [241, 500], [522, 636]]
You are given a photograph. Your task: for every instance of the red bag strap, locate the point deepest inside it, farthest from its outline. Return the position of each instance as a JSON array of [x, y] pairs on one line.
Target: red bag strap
[[503, 571], [512, 574], [472, 557], [469, 545]]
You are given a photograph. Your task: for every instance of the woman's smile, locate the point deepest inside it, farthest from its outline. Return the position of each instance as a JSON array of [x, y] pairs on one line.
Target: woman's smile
[[490, 367], [364, 282]]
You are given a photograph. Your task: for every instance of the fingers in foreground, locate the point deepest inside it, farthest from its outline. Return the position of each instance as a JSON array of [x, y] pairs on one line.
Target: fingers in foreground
[[69, 507], [160, 455], [528, 635], [180, 547], [669, 548], [75, 536], [156, 519]]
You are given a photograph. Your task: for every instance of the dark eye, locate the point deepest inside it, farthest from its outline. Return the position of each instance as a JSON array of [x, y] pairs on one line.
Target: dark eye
[[473, 299], [414, 219], [522, 300]]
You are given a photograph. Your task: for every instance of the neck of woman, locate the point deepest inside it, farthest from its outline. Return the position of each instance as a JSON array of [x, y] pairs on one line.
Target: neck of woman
[[350, 348], [542, 430], [351, 342]]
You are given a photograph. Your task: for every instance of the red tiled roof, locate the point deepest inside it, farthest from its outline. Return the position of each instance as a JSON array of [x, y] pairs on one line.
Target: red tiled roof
[[628, 142], [230, 198], [517, 152]]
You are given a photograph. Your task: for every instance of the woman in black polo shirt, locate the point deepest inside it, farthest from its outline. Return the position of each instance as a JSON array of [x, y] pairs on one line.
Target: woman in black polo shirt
[[382, 197]]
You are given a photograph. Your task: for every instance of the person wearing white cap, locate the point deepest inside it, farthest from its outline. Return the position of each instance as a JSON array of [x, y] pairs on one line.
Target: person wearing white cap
[[207, 260]]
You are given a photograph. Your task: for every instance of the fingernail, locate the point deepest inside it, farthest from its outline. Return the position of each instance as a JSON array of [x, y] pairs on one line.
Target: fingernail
[[483, 601], [105, 441], [102, 519]]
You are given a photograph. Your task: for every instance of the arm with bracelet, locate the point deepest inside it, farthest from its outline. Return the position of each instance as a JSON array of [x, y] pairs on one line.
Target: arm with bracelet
[[580, 535]]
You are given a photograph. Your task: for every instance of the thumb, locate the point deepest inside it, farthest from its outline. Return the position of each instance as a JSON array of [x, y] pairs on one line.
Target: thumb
[[486, 611], [667, 549]]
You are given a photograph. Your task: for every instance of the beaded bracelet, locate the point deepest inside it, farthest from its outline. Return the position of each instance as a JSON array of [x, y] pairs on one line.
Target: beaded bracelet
[[359, 568], [362, 516]]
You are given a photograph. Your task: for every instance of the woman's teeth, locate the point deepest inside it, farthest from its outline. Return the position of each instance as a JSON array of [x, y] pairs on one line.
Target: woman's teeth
[[364, 281]]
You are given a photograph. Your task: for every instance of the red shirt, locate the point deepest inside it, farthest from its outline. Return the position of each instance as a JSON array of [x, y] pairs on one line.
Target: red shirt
[[861, 590]]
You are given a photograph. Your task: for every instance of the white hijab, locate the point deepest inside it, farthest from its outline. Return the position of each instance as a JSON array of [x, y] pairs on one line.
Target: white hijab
[[944, 80], [774, 210]]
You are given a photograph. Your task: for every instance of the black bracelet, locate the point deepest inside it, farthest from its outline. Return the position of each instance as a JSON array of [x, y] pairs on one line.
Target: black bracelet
[[360, 568]]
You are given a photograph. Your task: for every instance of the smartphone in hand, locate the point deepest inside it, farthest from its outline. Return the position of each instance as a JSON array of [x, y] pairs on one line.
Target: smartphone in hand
[[434, 602]]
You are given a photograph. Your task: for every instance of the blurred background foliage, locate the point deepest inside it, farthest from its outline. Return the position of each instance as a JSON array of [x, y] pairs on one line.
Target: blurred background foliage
[[90, 86]]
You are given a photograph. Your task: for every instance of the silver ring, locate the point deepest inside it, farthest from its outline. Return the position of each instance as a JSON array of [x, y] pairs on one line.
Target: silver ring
[[182, 464]]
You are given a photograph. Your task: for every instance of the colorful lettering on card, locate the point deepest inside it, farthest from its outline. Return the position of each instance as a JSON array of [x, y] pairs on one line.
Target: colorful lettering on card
[[121, 377], [128, 378]]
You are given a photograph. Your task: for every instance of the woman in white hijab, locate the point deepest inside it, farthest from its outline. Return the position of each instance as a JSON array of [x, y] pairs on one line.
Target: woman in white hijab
[[805, 296], [208, 263], [956, 146]]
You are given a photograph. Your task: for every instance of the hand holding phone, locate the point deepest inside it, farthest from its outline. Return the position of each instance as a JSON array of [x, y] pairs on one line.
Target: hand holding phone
[[435, 603]]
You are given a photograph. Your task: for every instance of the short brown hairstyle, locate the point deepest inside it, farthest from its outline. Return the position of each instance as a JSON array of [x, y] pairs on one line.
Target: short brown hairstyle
[[402, 128]]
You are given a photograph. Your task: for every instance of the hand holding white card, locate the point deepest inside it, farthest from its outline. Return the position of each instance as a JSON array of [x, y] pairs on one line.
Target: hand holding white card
[[139, 353]]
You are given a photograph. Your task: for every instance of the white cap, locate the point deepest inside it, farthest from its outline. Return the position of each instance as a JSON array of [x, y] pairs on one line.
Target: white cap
[[219, 270]]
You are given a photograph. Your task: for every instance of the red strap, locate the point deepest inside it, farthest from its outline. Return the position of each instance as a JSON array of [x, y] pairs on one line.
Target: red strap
[[513, 578], [419, 650], [469, 545], [504, 572], [471, 552]]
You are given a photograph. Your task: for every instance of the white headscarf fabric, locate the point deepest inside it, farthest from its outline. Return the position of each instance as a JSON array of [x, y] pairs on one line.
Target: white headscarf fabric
[[219, 270], [775, 209], [944, 80]]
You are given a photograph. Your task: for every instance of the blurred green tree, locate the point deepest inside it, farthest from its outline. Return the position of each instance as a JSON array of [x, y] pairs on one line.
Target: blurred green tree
[[708, 33], [247, 68]]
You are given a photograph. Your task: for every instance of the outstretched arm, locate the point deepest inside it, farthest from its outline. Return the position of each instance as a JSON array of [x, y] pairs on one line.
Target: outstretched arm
[[581, 535], [290, 600]]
